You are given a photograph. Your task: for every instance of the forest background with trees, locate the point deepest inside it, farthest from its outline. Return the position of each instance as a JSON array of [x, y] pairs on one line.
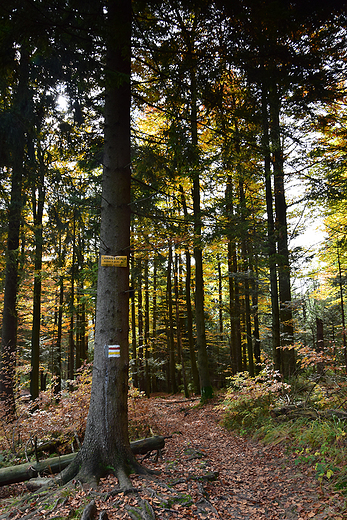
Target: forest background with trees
[[238, 143]]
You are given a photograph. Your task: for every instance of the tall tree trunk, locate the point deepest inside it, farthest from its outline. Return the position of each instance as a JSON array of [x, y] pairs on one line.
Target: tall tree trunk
[[106, 443], [147, 340], [170, 326], [154, 325], [255, 305], [276, 338], [234, 298], [286, 315], [71, 348], [57, 369], [342, 310], [57, 356], [194, 368], [220, 300], [38, 200], [9, 318], [141, 368], [178, 328], [246, 270], [220, 340], [80, 308], [133, 325], [203, 365]]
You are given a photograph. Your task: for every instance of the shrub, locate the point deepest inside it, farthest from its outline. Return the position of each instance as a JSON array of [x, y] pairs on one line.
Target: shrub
[[249, 400]]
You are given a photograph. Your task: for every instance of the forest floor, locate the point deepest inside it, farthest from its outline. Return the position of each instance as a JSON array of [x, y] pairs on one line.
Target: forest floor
[[206, 472]]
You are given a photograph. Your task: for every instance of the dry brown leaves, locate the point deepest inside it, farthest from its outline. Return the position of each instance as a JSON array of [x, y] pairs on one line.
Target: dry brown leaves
[[206, 473]]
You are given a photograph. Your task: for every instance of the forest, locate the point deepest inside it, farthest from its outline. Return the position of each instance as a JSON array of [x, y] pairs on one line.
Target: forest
[[238, 144], [236, 264]]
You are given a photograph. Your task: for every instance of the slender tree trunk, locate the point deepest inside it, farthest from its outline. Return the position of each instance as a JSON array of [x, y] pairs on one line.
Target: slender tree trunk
[[71, 349], [154, 325], [342, 311], [133, 326], [320, 343], [286, 317], [178, 329], [80, 315], [220, 340], [170, 327], [234, 297], [141, 369], [220, 300], [38, 205], [194, 367], [57, 358], [255, 305], [246, 270], [276, 339], [9, 318], [203, 364], [147, 340]]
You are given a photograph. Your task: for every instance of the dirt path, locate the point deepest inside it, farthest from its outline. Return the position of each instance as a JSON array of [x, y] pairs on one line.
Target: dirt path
[[206, 472], [254, 481]]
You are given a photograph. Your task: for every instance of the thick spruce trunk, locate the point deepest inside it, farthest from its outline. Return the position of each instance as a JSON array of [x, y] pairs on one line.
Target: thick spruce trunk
[[106, 444]]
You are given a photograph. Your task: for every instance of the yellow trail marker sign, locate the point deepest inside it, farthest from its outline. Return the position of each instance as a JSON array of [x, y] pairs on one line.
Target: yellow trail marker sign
[[114, 261]]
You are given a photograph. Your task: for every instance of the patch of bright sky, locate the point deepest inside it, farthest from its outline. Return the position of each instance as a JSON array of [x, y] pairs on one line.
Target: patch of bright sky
[[62, 102]]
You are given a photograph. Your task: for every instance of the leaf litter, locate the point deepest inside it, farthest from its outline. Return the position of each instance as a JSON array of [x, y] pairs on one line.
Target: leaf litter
[[205, 473]]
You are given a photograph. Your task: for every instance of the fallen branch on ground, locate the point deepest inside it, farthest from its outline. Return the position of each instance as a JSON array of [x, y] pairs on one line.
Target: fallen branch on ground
[[22, 472]]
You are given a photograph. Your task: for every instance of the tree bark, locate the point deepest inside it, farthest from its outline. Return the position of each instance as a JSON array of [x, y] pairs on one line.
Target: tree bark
[[9, 319], [38, 200], [178, 328], [203, 365], [106, 444], [170, 327], [71, 348], [147, 341], [141, 363], [23, 472], [234, 291], [194, 368], [276, 339], [286, 315], [133, 325]]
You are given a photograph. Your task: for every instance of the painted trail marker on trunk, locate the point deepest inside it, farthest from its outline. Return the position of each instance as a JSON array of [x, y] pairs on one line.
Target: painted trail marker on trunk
[[114, 351]]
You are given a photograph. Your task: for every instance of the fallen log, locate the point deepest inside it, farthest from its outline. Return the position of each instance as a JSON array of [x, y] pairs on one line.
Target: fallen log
[[143, 446], [23, 472]]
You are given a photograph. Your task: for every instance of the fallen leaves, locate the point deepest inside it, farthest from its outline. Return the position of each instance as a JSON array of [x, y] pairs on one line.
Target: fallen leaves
[[206, 473]]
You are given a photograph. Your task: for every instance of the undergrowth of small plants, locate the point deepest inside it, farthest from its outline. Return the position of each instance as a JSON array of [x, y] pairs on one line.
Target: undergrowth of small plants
[[306, 415], [55, 424]]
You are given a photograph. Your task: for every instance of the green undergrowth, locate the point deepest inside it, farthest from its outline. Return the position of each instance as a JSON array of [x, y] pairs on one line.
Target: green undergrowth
[[258, 408]]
